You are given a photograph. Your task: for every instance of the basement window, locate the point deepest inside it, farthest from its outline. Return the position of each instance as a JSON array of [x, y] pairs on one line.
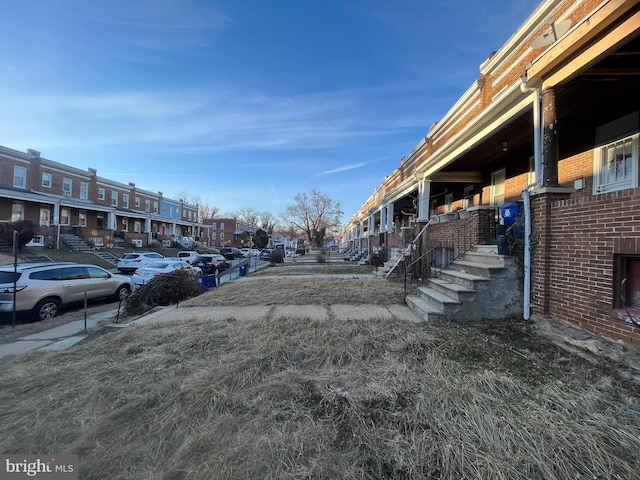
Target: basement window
[[626, 288]]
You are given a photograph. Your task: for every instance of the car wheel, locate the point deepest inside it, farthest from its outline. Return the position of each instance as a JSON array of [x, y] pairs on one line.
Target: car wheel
[[122, 293], [46, 309]]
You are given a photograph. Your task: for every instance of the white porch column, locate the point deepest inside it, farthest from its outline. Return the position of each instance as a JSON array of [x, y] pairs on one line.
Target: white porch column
[[383, 219], [389, 217], [111, 221], [424, 191], [147, 228], [372, 226]]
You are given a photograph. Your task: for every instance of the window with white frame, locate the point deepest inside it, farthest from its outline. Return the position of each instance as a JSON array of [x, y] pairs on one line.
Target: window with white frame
[[47, 180], [84, 190], [213, 235], [114, 199], [221, 235], [19, 176], [213, 225], [125, 200], [448, 202], [616, 165], [37, 241], [147, 205], [155, 207], [497, 188], [17, 212], [67, 186], [467, 200], [137, 202], [65, 216], [221, 225], [97, 241], [190, 212], [125, 224], [137, 226], [82, 218], [45, 216], [101, 194]]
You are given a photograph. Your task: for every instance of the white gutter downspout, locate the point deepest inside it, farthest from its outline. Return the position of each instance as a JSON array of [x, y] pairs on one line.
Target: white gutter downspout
[[526, 194]]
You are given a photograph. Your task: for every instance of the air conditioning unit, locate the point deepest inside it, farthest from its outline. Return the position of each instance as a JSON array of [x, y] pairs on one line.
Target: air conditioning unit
[[136, 242], [166, 243]]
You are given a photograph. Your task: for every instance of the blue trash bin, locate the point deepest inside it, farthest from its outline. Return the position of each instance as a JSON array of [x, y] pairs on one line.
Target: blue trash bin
[[207, 281], [511, 212], [243, 270]]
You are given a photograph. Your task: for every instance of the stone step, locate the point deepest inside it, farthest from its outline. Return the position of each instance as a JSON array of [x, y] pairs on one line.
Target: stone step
[[427, 312]]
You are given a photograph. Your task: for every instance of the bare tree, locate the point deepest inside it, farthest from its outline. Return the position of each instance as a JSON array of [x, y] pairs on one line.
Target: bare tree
[[268, 222], [249, 215], [207, 211], [204, 210], [189, 198], [314, 214]]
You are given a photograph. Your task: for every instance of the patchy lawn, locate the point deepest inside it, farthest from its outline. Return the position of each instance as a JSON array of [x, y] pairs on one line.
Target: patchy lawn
[[296, 398]]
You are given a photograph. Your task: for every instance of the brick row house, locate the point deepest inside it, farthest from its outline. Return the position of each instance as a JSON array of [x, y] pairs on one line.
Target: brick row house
[[63, 200], [222, 232], [550, 125]]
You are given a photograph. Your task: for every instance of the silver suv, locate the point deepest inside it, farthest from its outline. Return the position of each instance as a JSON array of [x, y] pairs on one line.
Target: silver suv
[[44, 288]]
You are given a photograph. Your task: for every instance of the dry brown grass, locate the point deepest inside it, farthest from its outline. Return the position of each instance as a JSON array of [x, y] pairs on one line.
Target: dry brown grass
[[253, 400], [303, 290]]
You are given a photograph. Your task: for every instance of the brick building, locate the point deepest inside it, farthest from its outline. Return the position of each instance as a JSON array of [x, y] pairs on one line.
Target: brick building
[[552, 121], [63, 200], [224, 232]]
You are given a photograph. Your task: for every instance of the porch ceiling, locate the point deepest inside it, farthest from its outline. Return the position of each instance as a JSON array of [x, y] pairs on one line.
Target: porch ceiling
[[600, 94]]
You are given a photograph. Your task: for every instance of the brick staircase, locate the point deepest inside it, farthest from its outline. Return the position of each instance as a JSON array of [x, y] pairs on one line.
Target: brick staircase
[[107, 257], [76, 244], [481, 285]]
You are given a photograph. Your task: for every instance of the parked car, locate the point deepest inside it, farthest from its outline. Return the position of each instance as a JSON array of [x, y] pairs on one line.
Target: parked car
[[188, 256], [230, 253], [130, 262], [43, 289], [212, 263], [161, 267], [265, 254]]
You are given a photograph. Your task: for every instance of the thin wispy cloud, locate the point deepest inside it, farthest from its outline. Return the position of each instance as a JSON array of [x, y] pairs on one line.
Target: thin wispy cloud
[[157, 92]]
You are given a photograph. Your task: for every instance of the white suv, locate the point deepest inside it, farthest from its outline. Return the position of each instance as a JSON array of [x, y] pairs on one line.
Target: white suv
[[130, 262], [44, 288], [188, 256]]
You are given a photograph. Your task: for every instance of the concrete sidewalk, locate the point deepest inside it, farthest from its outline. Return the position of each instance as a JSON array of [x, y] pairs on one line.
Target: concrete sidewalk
[[58, 338]]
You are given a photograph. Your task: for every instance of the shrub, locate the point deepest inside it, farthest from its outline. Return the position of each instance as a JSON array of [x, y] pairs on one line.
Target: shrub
[[163, 290]]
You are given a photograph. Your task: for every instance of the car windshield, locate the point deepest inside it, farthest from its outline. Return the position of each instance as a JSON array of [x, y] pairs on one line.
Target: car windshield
[[130, 256]]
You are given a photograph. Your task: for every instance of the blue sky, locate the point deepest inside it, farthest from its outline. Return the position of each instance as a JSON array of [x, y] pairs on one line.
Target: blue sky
[[243, 103]]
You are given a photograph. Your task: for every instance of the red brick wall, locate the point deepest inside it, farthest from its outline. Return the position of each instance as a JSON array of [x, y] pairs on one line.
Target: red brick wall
[[572, 274]]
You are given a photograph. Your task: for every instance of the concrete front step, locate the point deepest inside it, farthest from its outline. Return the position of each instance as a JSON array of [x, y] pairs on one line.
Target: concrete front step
[[456, 291], [438, 300], [479, 269], [466, 280], [481, 285], [427, 312]]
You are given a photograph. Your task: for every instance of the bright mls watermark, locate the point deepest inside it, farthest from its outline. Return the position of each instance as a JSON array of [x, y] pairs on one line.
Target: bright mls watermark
[[48, 467]]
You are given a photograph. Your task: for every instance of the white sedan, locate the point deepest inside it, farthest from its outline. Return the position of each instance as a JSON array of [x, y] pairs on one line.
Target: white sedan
[[161, 267]]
